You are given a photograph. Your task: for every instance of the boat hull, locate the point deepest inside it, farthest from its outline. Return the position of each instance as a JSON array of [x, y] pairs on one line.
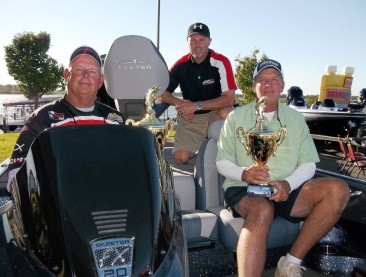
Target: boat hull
[[334, 123]]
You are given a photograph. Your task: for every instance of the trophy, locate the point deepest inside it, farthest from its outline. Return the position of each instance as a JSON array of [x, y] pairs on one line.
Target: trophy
[[155, 125], [261, 142]]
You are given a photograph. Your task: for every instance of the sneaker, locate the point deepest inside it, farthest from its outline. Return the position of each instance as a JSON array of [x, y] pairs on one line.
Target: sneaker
[[289, 270]]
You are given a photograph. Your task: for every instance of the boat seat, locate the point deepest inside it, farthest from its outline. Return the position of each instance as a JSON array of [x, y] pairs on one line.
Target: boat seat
[[132, 67], [200, 227], [210, 197]]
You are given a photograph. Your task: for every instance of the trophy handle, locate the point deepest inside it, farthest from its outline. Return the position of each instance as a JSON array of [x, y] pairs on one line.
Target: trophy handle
[[280, 137], [243, 138], [169, 124], [130, 121]]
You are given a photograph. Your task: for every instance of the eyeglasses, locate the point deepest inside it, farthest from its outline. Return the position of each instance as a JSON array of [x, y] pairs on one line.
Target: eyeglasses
[[80, 71], [272, 81]]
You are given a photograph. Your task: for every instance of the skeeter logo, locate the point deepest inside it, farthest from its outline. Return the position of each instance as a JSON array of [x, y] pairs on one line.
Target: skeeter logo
[[131, 65], [113, 257]]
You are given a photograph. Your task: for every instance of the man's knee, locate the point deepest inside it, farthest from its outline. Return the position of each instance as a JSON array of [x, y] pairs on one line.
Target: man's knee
[[223, 112], [183, 156], [333, 189], [260, 210], [340, 191]]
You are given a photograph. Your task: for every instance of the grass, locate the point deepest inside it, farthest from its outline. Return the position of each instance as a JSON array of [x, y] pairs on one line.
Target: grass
[[7, 142]]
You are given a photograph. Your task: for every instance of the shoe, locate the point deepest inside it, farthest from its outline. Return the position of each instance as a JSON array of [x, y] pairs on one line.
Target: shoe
[[289, 270]]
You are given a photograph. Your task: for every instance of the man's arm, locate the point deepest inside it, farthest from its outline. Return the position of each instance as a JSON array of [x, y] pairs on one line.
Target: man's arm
[[21, 149], [168, 98], [225, 100]]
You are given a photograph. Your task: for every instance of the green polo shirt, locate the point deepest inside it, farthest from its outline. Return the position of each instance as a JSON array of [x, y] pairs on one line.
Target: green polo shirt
[[297, 148]]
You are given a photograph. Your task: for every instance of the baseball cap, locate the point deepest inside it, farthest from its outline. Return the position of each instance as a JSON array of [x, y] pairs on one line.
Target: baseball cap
[[267, 64], [198, 28], [85, 50]]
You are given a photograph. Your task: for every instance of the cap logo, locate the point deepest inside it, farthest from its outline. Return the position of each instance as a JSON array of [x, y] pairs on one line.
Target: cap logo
[[197, 26], [270, 63]]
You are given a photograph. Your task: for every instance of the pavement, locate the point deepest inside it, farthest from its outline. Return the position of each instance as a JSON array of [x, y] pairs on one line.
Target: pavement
[[330, 156]]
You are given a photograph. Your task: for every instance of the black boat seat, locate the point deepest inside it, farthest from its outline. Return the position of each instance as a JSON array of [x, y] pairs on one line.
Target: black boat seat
[[210, 197]]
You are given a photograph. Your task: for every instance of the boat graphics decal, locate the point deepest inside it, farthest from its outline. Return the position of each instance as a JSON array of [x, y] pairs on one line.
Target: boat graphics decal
[[113, 256]]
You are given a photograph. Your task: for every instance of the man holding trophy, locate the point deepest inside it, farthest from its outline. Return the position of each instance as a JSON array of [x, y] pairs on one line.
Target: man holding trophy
[[265, 149]]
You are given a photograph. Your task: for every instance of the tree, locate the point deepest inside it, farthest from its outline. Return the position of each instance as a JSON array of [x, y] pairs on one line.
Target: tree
[[244, 74], [35, 72], [311, 99]]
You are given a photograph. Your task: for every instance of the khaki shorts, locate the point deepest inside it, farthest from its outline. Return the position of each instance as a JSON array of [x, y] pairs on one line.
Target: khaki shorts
[[190, 135]]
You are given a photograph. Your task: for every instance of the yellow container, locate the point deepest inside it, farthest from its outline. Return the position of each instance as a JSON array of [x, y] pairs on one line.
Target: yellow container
[[337, 86]]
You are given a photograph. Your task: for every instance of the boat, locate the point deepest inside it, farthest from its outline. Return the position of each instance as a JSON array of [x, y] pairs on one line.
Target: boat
[[325, 118], [17, 112], [173, 220]]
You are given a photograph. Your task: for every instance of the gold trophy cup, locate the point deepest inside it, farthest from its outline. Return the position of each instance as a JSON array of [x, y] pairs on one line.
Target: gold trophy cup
[[155, 125], [261, 142]]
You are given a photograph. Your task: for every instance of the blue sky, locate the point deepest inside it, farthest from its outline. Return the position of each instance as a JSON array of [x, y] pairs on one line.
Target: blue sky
[[305, 36]]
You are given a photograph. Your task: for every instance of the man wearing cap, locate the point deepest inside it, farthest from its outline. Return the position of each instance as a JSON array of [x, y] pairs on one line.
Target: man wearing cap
[[208, 87], [83, 78], [318, 201]]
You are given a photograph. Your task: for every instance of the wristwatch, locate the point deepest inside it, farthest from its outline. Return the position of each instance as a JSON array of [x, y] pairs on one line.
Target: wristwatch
[[199, 106]]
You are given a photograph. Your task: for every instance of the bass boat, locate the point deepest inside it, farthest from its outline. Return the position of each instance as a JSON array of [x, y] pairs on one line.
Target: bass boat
[[105, 200]]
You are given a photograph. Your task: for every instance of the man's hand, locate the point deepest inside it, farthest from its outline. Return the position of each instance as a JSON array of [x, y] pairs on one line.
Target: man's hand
[[255, 174], [186, 109], [283, 188]]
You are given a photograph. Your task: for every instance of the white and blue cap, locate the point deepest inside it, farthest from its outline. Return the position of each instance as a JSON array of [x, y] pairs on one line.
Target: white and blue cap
[[267, 64]]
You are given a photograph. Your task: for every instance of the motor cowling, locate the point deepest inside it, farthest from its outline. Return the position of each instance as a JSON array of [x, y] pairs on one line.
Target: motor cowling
[[91, 200]]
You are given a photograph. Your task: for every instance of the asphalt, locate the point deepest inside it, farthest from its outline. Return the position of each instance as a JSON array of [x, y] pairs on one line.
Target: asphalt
[[330, 156]]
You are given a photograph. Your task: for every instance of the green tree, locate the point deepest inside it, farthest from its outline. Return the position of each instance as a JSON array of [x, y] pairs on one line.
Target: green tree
[[311, 99], [35, 72], [244, 74]]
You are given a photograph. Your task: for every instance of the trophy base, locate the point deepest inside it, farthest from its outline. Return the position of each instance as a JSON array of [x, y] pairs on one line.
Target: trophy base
[[260, 190]]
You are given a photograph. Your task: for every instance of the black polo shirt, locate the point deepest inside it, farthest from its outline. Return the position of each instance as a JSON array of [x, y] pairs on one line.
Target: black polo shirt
[[204, 81]]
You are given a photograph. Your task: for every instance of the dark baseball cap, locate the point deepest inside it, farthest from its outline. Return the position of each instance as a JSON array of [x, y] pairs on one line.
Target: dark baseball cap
[[267, 64], [198, 28], [85, 50]]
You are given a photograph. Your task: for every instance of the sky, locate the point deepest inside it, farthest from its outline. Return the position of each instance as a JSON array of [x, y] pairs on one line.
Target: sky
[[304, 36]]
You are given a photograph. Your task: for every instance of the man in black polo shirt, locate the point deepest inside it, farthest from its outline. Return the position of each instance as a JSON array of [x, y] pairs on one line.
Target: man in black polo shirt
[[208, 86]]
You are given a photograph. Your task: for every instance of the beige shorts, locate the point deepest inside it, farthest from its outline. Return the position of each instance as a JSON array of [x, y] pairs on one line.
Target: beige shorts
[[190, 135]]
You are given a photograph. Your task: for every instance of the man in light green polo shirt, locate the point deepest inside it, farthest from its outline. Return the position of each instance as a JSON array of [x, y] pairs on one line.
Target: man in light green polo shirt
[[299, 197]]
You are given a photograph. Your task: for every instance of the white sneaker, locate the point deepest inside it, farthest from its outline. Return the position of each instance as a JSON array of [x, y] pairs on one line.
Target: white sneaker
[[289, 270]]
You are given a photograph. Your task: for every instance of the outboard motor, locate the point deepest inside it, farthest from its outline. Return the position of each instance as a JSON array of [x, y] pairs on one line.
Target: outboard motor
[[99, 200], [293, 93], [327, 104]]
